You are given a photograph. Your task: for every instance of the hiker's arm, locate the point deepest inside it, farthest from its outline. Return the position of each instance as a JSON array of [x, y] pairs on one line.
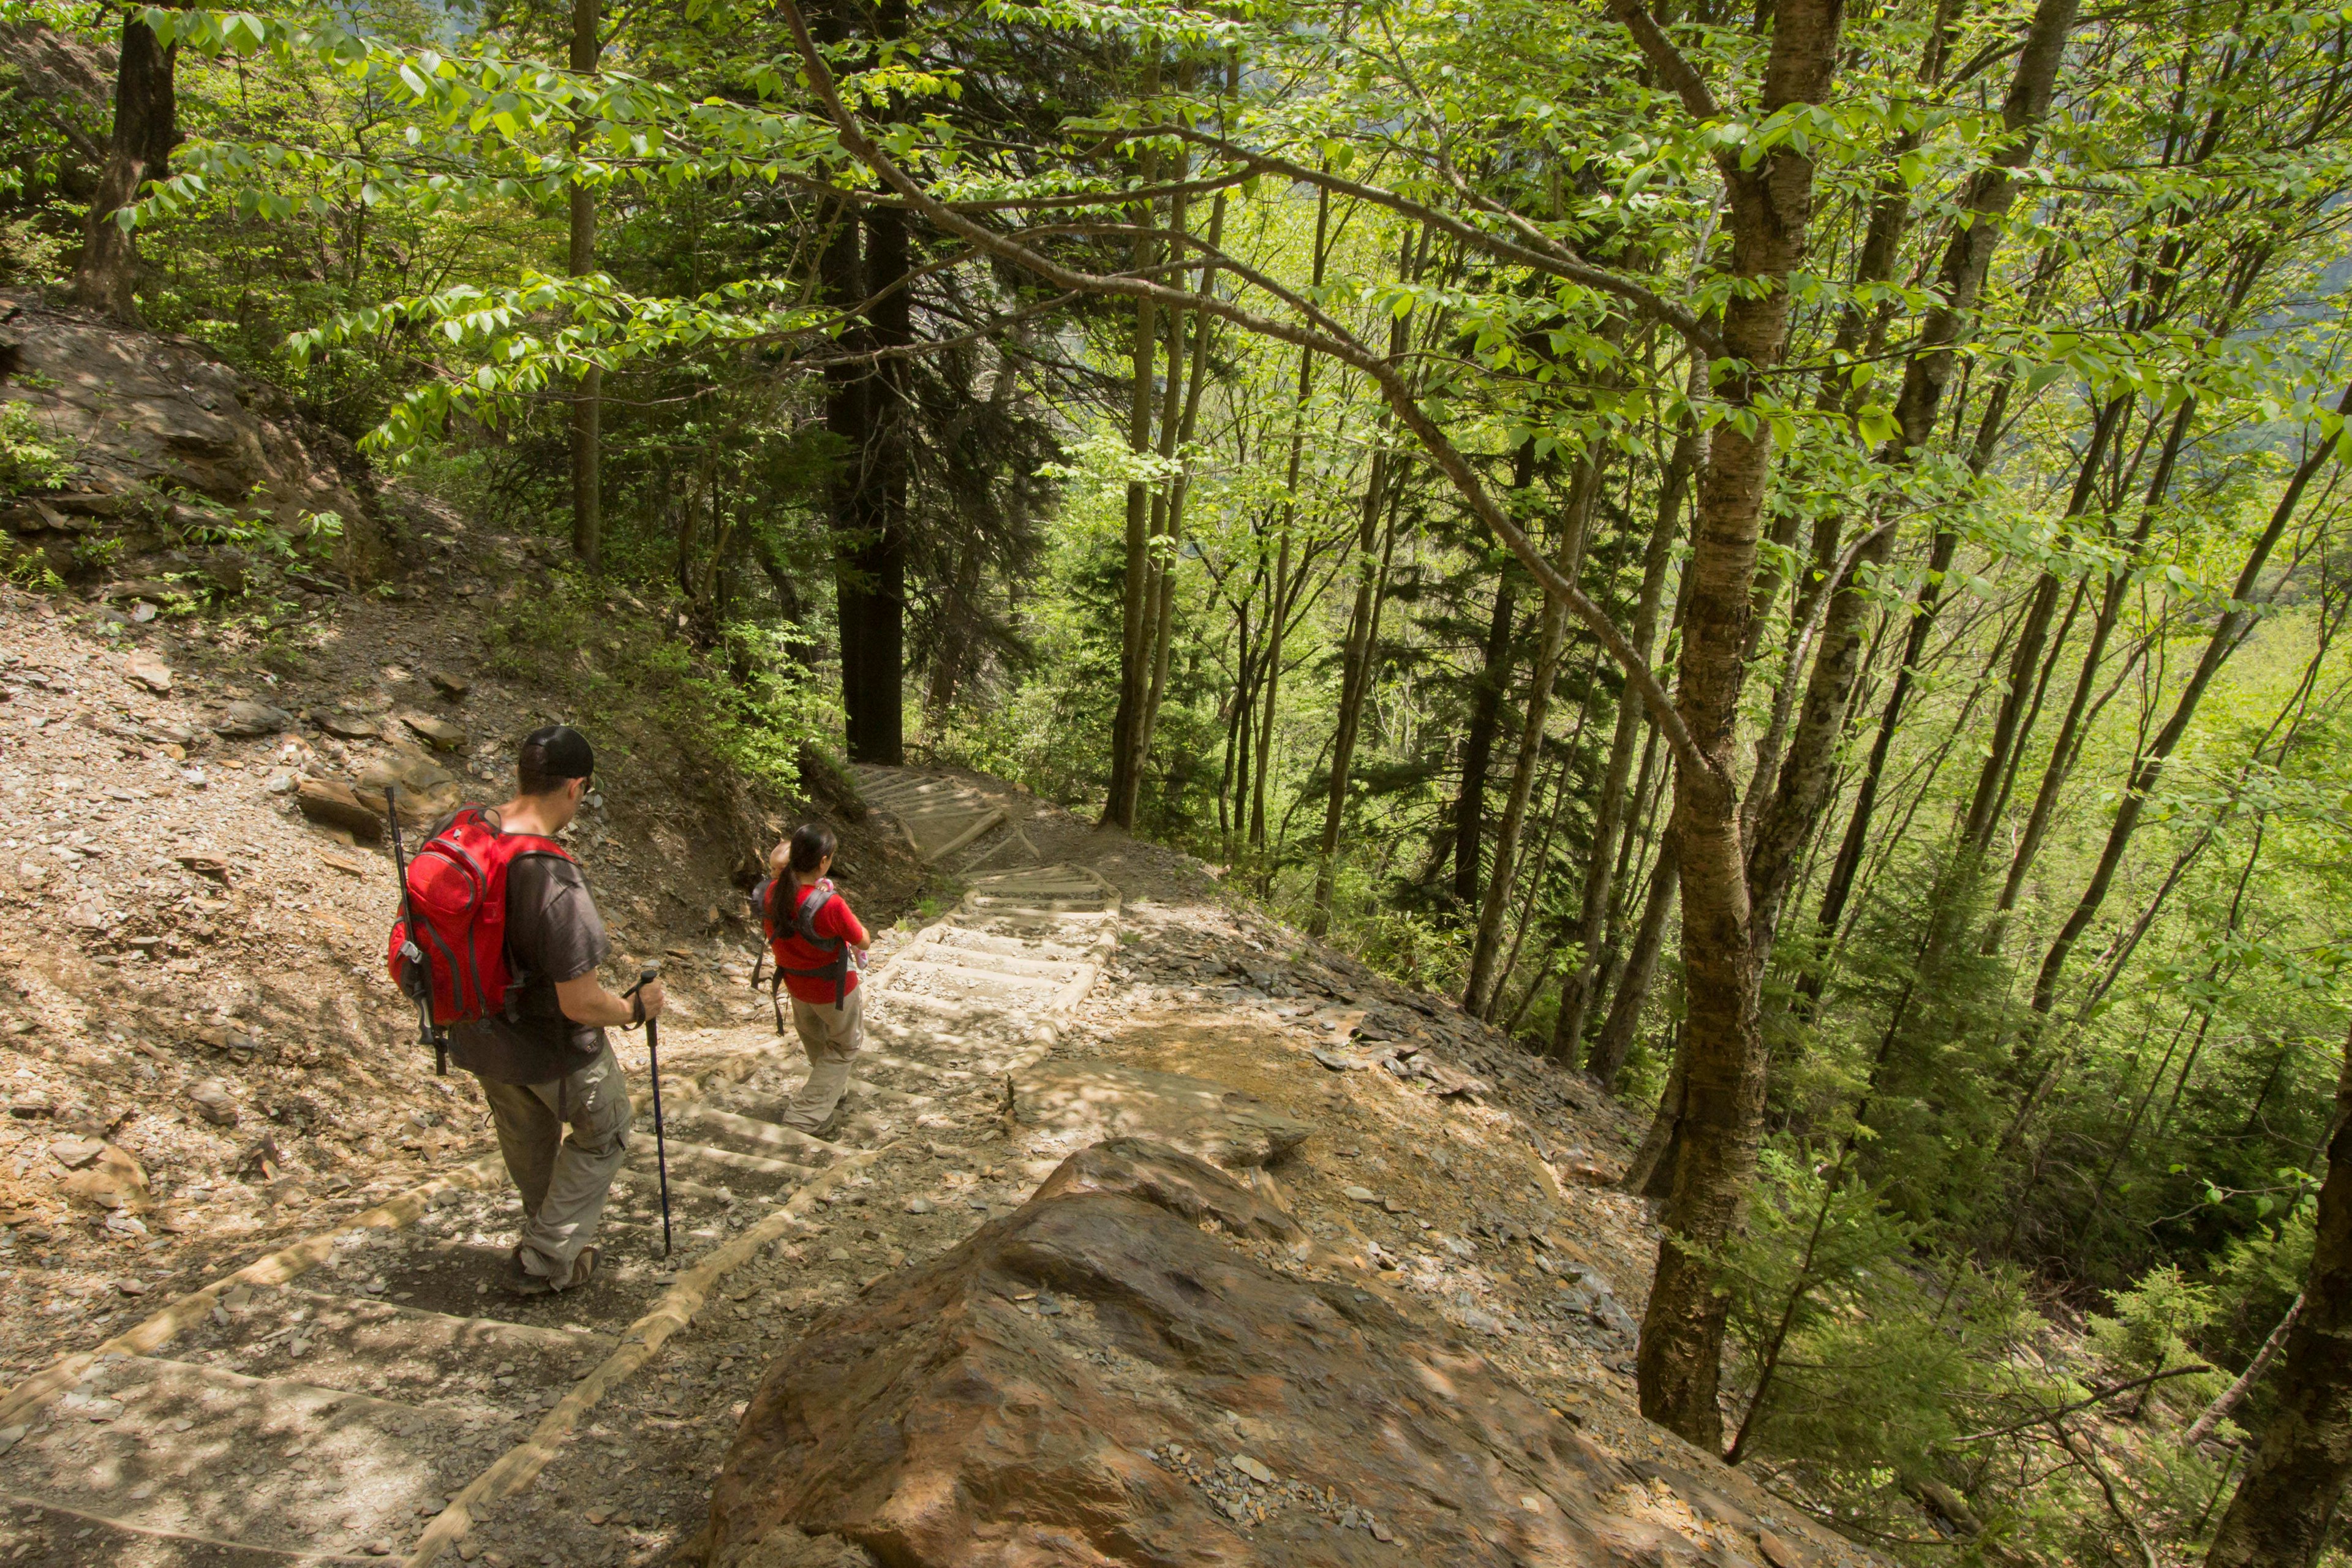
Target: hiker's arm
[[585, 1001]]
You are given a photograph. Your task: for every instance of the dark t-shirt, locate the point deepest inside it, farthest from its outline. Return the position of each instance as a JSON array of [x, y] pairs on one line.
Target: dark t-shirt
[[553, 935]]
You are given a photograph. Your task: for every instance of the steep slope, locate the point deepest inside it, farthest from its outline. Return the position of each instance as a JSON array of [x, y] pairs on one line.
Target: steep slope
[[193, 967]]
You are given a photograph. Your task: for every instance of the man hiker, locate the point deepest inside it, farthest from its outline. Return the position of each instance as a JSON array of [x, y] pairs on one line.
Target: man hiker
[[816, 941], [543, 1059]]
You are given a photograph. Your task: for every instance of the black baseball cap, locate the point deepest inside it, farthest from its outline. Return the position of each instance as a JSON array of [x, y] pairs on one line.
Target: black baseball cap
[[557, 753]]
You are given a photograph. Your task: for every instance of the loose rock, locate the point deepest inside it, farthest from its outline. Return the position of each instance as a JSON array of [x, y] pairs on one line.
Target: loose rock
[[212, 1102], [443, 734], [338, 805], [244, 720]]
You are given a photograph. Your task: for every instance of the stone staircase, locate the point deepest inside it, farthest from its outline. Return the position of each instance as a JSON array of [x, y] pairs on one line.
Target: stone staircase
[[367, 1394]]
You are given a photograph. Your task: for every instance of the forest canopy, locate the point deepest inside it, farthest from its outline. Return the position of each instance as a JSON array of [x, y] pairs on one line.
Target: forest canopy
[[1784, 555]]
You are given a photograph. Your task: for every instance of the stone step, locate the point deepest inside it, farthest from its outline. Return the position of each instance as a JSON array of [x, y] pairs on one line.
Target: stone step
[[642, 1160], [59, 1537], [466, 1279], [1041, 887], [1002, 1013], [963, 939], [917, 970], [1054, 970], [268, 1463], [926, 1069], [770, 1138], [390, 1351]]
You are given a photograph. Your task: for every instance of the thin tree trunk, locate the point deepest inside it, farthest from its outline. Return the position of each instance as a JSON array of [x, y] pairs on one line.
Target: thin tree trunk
[[2148, 771], [2025, 655], [1617, 1030], [146, 129], [1486, 939], [1609, 815], [1485, 718], [1135, 598], [876, 599], [1279, 606], [1479, 992], [1355, 676], [2284, 1503], [587, 399], [1164, 590], [2229, 1398]]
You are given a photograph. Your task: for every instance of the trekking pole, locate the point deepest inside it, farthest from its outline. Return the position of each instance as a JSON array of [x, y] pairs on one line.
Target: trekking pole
[[410, 953], [646, 977]]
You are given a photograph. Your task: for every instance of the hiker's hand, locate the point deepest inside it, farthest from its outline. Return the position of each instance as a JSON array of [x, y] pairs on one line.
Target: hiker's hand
[[585, 1000]]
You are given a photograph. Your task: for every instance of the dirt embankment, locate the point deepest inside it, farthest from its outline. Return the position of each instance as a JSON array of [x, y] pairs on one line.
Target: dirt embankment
[[197, 1044]]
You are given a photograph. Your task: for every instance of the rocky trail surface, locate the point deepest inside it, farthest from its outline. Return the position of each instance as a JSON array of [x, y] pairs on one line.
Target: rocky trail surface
[[1407, 1336], [367, 1393]]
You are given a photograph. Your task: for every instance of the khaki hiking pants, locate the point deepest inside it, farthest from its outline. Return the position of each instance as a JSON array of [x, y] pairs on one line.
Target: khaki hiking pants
[[830, 1034], [564, 1181]]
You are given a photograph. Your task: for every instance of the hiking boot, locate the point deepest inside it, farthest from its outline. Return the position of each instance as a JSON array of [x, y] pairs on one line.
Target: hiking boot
[[583, 1267], [521, 1281]]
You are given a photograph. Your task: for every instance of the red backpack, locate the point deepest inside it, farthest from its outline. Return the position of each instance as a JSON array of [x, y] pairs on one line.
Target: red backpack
[[455, 960], [768, 899]]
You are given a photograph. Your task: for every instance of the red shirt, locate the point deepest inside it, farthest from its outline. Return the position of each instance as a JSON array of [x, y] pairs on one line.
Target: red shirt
[[834, 919]]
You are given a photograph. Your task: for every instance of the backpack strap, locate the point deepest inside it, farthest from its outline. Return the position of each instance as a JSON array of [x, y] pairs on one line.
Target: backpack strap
[[805, 926]]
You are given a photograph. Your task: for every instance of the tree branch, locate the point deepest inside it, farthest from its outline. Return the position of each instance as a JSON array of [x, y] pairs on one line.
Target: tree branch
[[1342, 347], [2093, 1397], [1668, 61], [1541, 254]]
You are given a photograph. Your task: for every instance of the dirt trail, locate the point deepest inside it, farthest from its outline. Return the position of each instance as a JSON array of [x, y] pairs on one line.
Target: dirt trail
[[367, 1394]]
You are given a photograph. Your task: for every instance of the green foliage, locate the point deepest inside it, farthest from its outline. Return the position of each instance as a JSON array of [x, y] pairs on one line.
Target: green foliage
[[747, 705], [2155, 1323], [31, 459]]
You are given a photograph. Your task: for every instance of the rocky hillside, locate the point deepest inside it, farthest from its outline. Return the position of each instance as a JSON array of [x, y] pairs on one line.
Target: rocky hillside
[[197, 1046]]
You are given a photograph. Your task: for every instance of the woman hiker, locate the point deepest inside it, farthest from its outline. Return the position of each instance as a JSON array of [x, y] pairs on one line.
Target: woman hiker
[[817, 945]]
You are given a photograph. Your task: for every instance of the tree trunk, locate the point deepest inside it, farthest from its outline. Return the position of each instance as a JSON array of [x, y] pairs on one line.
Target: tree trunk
[[1479, 992], [2213, 1415], [1770, 208], [587, 398], [2148, 769], [1355, 682], [1485, 718], [2280, 1516], [867, 494], [1363, 631], [1135, 598], [1609, 815], [1495, 902], [1164, 583], [2025, 657], [1624, 1019], [2071, 728], [146, 129]]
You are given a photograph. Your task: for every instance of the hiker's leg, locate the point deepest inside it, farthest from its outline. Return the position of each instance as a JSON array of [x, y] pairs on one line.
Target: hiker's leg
[[597, 1100], [830, 1034], [528, 1135]]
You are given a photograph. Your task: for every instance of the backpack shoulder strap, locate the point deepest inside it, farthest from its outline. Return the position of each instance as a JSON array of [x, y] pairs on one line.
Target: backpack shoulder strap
[[805, 918]]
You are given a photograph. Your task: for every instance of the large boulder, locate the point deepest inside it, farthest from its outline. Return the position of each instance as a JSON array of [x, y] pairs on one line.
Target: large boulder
[[1108, 1376], [1072, 1104], [148, 416]]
